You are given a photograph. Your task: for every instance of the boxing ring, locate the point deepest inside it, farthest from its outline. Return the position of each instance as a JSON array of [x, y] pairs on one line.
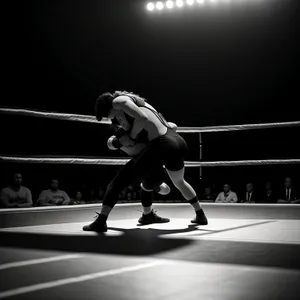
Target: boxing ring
[[246, 251]]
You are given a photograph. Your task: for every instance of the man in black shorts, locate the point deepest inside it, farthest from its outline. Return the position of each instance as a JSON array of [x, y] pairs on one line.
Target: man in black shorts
[[165, 148]]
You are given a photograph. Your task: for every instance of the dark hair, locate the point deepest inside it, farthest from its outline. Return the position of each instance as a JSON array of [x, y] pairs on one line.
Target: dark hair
[[103, 105]]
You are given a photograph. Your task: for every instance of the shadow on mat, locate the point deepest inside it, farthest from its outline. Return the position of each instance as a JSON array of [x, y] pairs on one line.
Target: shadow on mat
[[133, 242]]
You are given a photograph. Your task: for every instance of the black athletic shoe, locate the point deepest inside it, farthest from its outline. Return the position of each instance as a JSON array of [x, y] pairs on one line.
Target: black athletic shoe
[[99, 225], [152, 218], [200, 218]]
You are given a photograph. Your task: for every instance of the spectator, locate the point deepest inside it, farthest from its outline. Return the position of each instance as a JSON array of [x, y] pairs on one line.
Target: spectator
[[16, 195], [85, 191], [78, 199], [268, 195], [250, 195], [131, 193], [93, 195], [207, 195], [227, 196], [129, 196], [53, 196], [123, 194], [289, 193]]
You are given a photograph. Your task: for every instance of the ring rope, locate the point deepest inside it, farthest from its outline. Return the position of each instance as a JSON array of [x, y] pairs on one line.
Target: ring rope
[[92, 119], [115, 162], [51, 115]]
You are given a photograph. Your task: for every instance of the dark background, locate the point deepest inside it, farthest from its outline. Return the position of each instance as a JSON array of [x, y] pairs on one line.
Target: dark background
[[232, 64]]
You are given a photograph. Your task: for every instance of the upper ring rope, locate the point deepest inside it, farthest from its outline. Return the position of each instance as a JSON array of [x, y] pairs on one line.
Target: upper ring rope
[[117, 162], [92, 119]]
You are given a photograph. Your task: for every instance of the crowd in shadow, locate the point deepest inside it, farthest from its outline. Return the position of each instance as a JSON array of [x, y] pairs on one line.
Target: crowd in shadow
[[17, 195]]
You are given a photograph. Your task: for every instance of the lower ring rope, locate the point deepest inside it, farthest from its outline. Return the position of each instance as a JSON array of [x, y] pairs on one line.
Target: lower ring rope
[[116, 162]]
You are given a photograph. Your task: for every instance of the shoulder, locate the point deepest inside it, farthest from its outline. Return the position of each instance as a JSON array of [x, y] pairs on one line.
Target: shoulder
[[129, 98], [45, 191], [6, 190], [122, 99], [25, 189]]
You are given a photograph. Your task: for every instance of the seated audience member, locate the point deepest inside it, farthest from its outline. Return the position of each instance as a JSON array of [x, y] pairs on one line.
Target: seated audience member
[[123, 194], [77, 199], [53, 196], [16, 195], [94, 195], [268, 195], [250, 194], [207, 195], [129, 196], [227, 196], [131, 193], [289, 194]]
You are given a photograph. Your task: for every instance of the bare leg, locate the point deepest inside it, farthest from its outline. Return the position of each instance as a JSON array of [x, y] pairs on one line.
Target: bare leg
[[189, 194], [184, 187]]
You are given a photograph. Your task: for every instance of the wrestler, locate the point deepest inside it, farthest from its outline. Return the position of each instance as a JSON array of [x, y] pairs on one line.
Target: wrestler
[[165, 148], [155, 179]]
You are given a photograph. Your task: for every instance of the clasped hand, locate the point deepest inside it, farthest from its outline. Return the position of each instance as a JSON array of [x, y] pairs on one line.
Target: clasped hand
[[126, 141]]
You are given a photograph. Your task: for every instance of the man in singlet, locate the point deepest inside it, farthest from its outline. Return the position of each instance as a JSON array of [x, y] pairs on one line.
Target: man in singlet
[[154, 180], [165, 148]]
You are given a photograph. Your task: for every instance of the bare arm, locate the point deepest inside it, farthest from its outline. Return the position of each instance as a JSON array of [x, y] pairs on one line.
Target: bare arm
[[173, 126], [218, 198], [66, 199], [140, 118], [43, 201], [295, 201], [134, 149], [234, 198], [283, 201], [4, 199], [28, 202]]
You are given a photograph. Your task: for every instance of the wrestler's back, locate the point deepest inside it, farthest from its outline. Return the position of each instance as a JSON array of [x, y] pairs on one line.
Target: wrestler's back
[[153, 126]]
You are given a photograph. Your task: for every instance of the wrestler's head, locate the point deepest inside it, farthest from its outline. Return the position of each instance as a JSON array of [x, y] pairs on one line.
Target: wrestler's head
[[103, 106]]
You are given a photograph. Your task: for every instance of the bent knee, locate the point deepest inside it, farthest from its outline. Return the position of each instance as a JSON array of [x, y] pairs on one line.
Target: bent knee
[[179, 182]]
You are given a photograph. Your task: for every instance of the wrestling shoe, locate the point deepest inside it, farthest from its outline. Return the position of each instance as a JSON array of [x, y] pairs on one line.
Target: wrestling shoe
[[99, 225], [152, 218], [200, 218]]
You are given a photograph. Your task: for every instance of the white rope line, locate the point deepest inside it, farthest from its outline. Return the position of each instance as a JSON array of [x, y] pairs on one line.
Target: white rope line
[[117, 162], [52, 115], [92, 119], [238, 127]]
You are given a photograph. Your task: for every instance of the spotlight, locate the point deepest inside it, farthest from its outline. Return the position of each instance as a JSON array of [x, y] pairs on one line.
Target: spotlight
[[159, 5], [150, 6], [190, 2], [200, 1], [179, 3], [169, 4]]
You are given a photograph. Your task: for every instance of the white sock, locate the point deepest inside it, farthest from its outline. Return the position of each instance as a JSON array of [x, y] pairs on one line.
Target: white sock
[[196, 206], [147, 210], [105, 210]]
